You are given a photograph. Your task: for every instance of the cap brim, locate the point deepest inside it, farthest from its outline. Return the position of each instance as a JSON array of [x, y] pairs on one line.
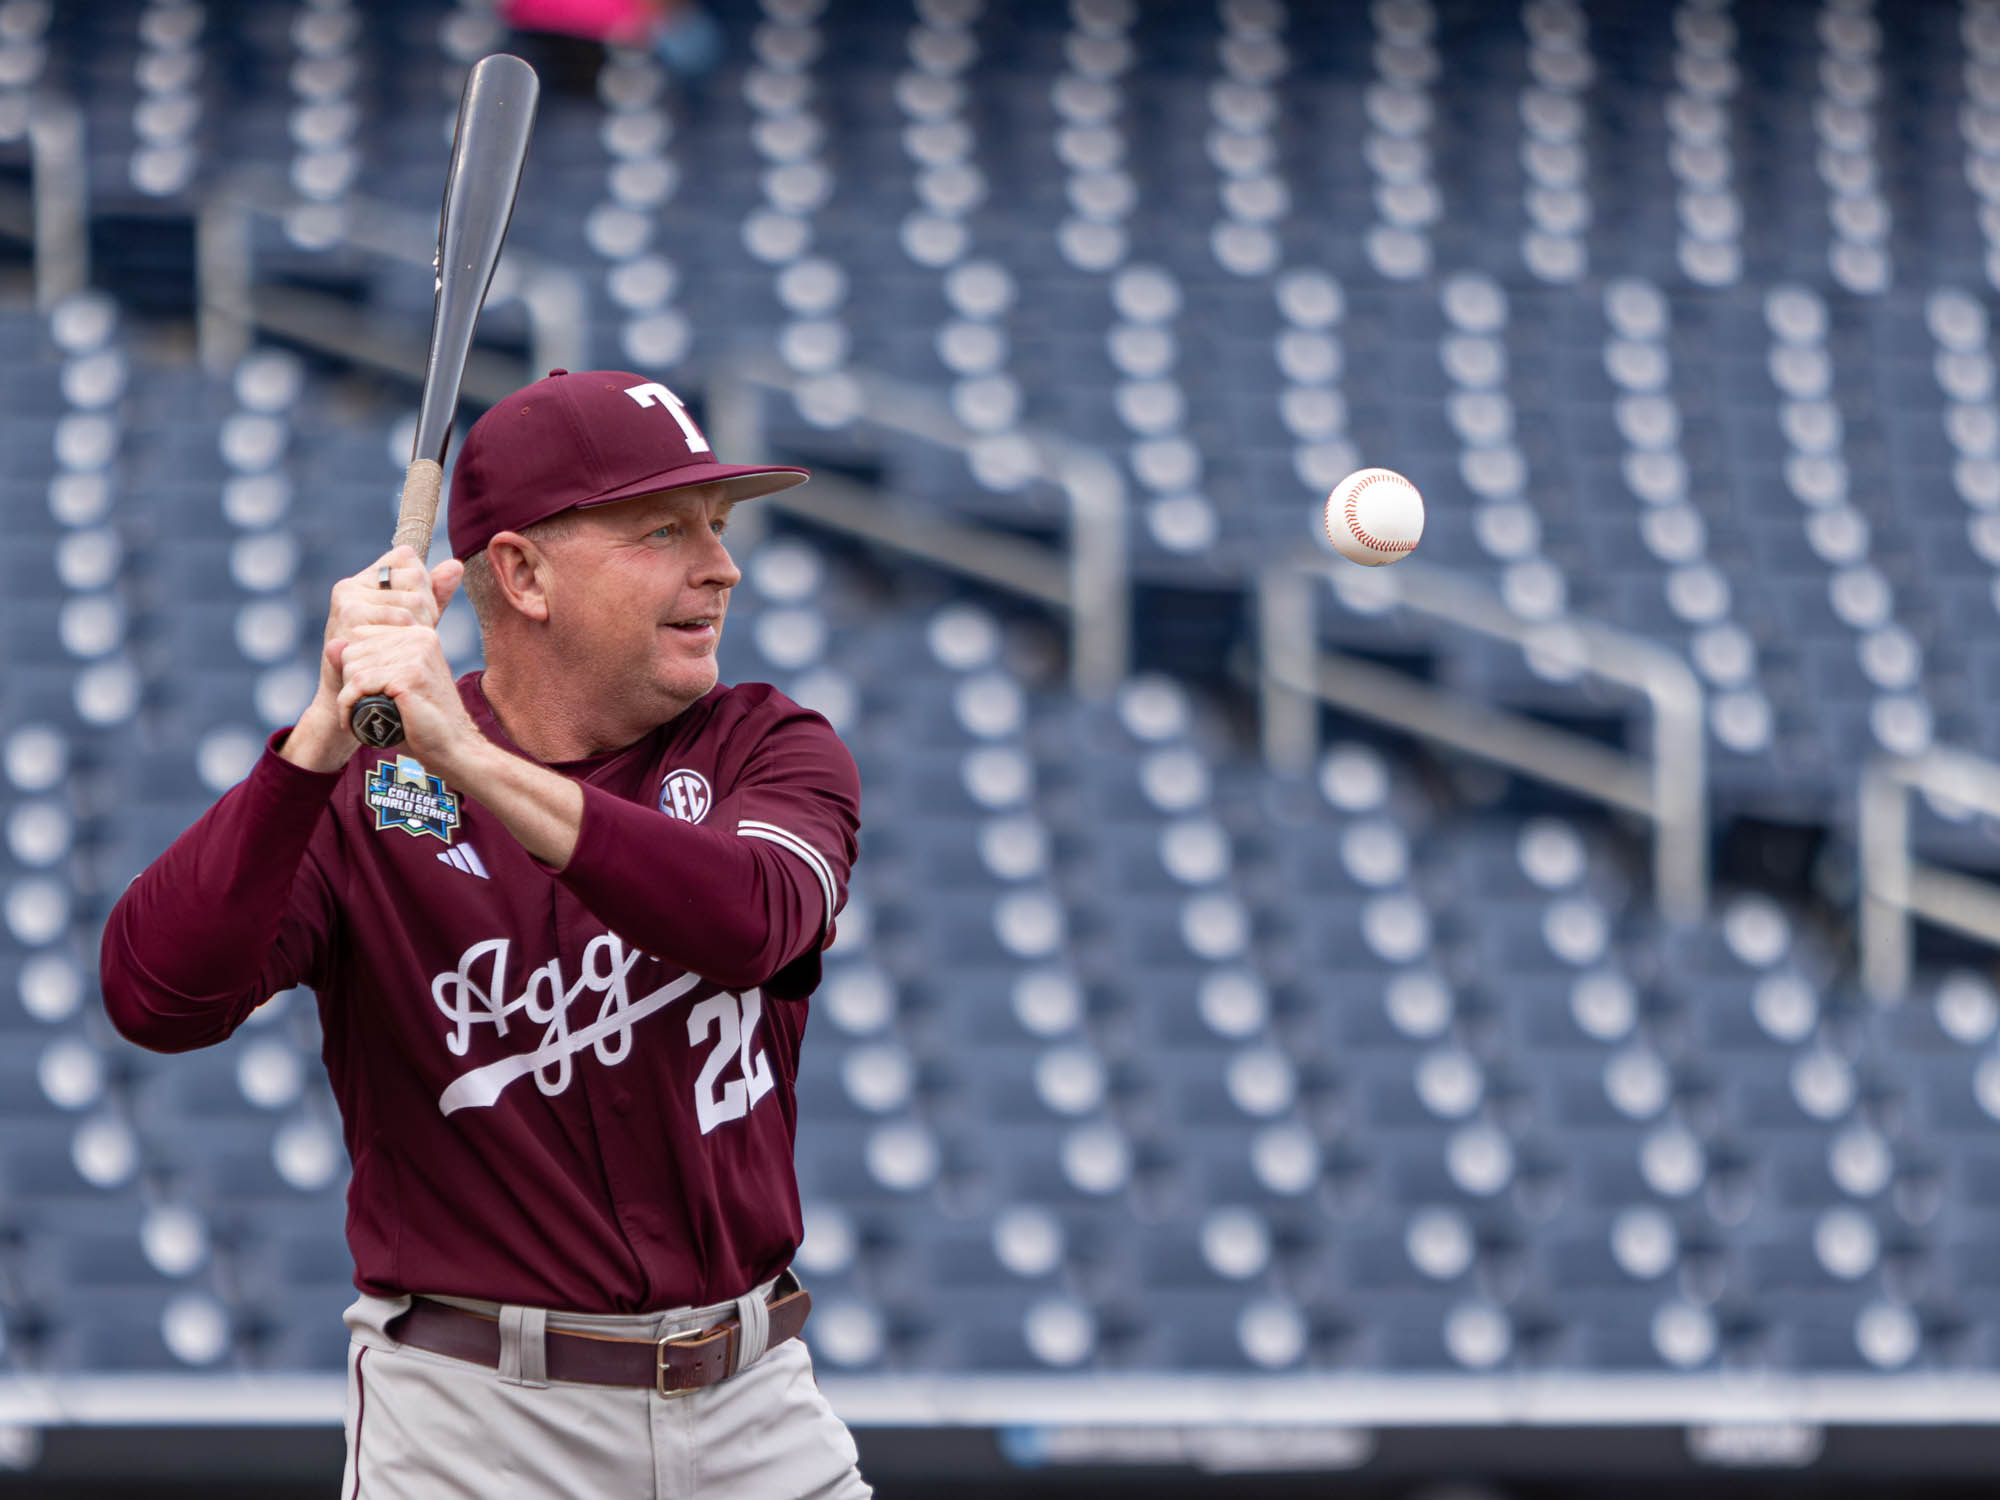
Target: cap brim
[[740, 482]]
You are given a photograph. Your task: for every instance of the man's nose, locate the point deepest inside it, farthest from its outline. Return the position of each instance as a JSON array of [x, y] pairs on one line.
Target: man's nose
[[716, 568]]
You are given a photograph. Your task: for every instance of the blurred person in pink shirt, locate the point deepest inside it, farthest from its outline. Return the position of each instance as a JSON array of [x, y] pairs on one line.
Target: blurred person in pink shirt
[[680, 33]]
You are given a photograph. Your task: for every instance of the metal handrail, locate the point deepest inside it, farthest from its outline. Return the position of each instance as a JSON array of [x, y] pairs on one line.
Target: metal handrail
[[1671, 789], [551, 294], [52, 213], [1895, 885], [60, 194], [1090, 580]]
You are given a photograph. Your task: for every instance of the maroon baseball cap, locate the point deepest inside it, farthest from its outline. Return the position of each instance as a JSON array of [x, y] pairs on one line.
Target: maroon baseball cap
[[587, 438]]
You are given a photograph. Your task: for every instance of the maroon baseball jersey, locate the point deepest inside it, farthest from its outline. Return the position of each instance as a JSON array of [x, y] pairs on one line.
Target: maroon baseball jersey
[[560, 1089]]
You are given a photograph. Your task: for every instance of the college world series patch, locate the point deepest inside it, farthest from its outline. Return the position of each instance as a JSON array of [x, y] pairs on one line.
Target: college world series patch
[[406, 796]]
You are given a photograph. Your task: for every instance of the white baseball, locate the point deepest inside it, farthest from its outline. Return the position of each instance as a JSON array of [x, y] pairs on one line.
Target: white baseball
[[1374, 516]]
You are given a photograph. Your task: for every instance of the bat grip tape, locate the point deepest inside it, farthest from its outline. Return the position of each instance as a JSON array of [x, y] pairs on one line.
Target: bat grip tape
[[418, 513]]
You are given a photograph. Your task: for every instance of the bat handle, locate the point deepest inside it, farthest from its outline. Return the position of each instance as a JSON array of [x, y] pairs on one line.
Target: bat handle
[[375, 720]]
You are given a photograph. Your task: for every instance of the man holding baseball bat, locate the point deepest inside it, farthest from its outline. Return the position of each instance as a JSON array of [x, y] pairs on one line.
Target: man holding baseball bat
[[563, 938]]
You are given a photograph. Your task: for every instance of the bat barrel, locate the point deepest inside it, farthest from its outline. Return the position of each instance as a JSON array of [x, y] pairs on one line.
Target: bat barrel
[[496, 115]]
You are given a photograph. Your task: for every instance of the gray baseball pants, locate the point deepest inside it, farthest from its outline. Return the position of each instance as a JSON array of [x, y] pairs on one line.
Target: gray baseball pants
[[423, 1426]]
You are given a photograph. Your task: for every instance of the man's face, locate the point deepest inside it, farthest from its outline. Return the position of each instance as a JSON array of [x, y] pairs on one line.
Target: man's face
[[640, 588]]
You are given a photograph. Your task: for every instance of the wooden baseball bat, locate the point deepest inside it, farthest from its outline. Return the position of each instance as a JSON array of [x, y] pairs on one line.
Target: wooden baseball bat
[[496, 115]]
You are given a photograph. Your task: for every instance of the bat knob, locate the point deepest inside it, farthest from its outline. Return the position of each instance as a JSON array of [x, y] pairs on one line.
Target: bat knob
[[376, 723]]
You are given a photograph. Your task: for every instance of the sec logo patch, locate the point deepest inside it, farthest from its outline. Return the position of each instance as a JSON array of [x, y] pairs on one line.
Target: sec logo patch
[[685, 795]]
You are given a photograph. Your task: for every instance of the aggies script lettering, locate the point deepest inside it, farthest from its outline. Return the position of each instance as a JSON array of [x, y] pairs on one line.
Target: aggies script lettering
[[475, 994]]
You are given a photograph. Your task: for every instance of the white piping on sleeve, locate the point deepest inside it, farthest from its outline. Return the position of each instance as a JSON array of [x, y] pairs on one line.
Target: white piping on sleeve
[[751, 828]]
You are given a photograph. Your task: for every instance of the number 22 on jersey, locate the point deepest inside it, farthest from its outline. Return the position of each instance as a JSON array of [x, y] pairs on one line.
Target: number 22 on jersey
[[734, 1020]]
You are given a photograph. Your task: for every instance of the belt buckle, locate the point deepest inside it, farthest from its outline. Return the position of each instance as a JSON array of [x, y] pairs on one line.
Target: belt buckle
[[660, 1366]]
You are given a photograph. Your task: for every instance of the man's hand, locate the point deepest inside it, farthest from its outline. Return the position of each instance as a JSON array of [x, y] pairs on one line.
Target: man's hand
[[384, 640]]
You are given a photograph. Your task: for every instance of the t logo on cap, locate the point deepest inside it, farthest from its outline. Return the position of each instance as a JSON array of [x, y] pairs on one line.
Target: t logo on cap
[[655, 395], [652, 393]]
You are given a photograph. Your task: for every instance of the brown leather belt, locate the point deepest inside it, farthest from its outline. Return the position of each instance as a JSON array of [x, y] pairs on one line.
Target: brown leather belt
[[673, 1366]]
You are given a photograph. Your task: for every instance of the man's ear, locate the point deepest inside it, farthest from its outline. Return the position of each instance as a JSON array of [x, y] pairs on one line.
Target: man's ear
[[521, 574]]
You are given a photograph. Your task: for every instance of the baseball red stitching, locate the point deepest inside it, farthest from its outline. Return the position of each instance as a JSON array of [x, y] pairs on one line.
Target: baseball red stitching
[[1354, 521]]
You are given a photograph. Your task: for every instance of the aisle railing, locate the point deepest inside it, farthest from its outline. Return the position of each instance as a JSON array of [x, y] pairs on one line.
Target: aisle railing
[[1670, 788]]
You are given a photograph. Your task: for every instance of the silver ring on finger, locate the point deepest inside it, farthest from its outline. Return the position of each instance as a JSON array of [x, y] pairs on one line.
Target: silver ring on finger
[[382, 577]]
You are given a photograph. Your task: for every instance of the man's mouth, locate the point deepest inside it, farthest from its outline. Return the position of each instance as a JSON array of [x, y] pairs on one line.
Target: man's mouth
[[699, 625]]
